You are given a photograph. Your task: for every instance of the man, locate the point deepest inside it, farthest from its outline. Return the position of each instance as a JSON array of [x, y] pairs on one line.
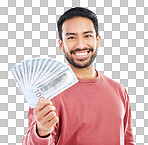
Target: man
[[96, 110]]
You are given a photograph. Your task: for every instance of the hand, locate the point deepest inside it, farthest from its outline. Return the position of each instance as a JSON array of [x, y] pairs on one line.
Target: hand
[[45, 116]]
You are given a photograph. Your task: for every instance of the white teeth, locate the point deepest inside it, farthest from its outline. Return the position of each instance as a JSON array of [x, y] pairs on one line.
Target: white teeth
[[81, 53]]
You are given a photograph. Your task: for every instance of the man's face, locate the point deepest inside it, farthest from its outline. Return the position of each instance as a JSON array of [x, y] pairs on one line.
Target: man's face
[[79, 43]]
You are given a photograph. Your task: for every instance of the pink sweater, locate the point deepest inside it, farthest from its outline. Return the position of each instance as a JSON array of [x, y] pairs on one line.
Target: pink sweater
[[92, 112]]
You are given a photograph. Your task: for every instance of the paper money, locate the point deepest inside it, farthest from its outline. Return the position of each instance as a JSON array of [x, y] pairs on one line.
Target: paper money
[[40, 78]]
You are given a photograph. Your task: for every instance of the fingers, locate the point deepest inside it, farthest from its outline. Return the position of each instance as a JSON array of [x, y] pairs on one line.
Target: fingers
[[42, 103], [43, 108], [48, 117], [50, 120], [54, 121], [46, 110], [45, 116]]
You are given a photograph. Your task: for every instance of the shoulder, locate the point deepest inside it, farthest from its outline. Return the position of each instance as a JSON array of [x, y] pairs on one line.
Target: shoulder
[[113, 85], [110, 81]]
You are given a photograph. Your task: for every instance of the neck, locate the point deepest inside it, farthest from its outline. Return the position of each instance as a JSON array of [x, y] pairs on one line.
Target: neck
[[84, 73]]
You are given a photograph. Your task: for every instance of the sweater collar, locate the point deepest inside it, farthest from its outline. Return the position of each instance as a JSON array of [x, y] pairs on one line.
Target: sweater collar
[[91, 80]]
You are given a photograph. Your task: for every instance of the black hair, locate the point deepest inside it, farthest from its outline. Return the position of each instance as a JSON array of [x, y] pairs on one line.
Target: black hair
[[77, 12]]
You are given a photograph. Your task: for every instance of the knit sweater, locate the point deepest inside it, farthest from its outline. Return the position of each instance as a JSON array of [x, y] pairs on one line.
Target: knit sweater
[[94, 111]]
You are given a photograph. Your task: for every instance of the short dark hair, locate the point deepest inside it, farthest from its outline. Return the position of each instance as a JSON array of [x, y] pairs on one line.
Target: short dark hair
[[77, 12]]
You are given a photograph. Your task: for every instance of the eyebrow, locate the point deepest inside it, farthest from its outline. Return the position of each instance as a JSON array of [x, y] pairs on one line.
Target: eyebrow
[[76, 33]]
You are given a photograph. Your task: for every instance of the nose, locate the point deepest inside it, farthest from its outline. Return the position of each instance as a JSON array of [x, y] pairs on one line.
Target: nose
[[80, 43]]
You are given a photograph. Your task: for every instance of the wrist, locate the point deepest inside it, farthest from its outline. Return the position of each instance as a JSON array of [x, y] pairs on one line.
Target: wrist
[[42, 134]]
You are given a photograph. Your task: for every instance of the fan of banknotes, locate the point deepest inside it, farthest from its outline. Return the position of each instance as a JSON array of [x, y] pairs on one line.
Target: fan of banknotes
[[40, 78]]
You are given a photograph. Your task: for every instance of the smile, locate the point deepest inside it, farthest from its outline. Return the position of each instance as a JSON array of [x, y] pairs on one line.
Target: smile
[[81, 54]]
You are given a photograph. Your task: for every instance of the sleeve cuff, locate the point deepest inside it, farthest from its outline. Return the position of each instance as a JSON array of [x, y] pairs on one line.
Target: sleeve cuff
[[39, 140]]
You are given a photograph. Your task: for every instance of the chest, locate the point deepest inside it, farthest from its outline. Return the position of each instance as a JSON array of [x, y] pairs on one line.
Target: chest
[[98, 106], [94, 114]]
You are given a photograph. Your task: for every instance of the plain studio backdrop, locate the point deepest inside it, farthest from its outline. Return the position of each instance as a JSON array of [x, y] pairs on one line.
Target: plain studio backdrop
[[28, 29]]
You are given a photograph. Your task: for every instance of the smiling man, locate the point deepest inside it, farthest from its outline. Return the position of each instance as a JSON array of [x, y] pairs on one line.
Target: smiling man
[[96, 110], [80, 44]]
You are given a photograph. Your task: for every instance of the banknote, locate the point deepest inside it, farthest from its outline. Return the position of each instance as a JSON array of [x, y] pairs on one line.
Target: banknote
[[53, 86], [42, 73], [17, 79], [40, 78]]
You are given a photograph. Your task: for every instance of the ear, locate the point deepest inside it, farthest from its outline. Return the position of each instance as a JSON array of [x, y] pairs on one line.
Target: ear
[[98, 40], [60, 44]]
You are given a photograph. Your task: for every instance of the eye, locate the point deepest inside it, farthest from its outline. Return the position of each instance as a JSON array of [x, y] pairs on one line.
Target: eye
[[87, 36], [71, 37]]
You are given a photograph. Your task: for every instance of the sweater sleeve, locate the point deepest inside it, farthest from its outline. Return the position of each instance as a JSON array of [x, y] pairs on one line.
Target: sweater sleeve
[[128, 135], [32, 138]]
